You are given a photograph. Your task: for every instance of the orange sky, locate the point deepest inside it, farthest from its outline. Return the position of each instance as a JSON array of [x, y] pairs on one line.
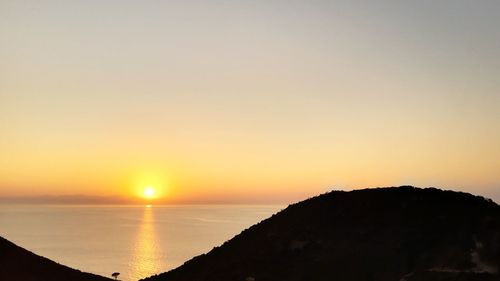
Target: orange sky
[[248, 102]]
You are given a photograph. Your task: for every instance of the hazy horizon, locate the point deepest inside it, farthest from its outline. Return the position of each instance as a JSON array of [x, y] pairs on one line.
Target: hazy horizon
[[78, 199], [116, 200]]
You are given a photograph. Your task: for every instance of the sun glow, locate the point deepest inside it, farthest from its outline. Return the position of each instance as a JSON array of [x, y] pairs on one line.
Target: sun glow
[[149, 192], [150, 186]]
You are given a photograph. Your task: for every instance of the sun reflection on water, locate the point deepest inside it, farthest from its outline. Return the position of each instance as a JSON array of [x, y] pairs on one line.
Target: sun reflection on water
[[146, 248]]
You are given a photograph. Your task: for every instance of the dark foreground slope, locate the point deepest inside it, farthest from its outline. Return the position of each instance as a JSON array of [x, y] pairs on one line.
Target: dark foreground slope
[[17, 263], [384, 234]]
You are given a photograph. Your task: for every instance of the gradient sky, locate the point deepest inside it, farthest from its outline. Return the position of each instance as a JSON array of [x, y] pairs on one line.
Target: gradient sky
[[255, 101]]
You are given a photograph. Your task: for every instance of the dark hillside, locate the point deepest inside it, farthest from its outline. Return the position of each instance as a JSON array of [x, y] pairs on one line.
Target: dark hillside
[[18, 264], [384, 234]]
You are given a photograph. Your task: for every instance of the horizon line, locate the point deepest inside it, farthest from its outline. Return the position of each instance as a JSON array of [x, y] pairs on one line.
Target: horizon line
[[121, 200]]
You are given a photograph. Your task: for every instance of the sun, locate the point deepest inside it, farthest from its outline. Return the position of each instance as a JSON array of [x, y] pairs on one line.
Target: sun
[[149, 192]]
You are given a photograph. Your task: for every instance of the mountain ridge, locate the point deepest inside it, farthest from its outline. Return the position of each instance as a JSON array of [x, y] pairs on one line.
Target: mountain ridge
[[396, 233]]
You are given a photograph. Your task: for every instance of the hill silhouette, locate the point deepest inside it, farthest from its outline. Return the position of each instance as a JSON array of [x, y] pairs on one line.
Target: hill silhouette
[[383, 234], [18, 264]]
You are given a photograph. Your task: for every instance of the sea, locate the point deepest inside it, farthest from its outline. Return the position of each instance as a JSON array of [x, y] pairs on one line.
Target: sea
[[136, 241]]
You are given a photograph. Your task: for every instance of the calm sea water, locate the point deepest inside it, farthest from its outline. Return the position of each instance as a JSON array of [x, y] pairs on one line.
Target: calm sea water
[[136, 241]]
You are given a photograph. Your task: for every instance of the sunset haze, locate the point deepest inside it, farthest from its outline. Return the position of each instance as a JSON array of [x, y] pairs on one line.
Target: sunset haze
[[247, 101]]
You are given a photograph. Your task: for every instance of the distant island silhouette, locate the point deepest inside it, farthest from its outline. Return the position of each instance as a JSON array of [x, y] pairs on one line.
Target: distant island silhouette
[[382, 234]]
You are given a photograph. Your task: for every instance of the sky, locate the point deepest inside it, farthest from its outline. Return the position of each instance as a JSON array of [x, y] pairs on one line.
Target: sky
[[248, 101]]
